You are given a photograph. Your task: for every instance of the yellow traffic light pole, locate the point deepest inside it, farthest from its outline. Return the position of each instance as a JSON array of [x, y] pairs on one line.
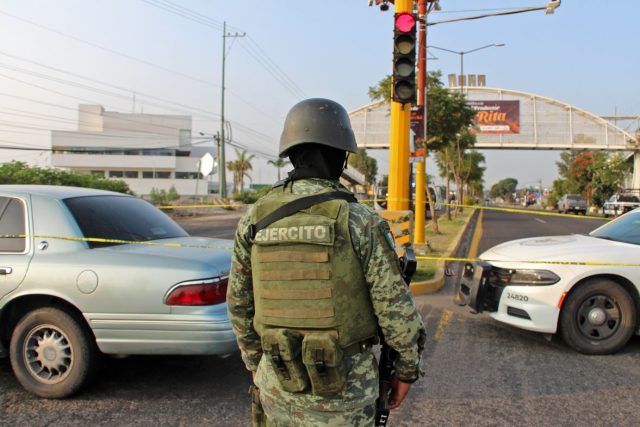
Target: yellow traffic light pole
[[398, 198]]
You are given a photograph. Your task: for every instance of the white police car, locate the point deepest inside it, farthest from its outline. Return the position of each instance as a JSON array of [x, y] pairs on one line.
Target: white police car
[[586, 287]]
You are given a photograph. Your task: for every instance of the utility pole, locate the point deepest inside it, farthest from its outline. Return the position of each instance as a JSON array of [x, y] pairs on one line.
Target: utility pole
[[222, 180], [421, 186]]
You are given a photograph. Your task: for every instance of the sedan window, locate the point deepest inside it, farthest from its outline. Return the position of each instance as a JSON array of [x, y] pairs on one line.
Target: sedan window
[[624, 229], [628, 199], [121, 218], [12, 224]]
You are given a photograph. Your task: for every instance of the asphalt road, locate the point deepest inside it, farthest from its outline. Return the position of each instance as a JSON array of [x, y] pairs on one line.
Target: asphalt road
[[477, 372], [498, 226]]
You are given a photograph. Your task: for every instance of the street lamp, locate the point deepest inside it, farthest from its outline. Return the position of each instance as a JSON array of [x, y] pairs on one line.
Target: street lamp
[[462, 54]]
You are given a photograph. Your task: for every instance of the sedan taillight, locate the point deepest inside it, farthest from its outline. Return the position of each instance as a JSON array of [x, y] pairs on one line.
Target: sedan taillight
[[201, 292]]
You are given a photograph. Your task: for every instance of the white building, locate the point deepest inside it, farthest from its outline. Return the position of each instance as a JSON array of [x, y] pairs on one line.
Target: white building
[[146, 151]]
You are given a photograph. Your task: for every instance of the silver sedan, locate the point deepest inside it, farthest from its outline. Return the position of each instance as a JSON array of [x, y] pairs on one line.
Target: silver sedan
[[84, 272]]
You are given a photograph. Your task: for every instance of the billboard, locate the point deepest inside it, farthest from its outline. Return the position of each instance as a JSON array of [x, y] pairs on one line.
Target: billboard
[[496, 116]]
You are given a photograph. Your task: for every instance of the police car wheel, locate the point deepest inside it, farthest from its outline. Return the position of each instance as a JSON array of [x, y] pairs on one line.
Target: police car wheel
[[598, 317], [52, 354]]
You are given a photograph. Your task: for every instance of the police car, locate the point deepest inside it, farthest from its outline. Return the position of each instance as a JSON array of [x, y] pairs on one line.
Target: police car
[[584, 287]]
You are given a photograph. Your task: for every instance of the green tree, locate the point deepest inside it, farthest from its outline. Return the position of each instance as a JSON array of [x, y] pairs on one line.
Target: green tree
[[20, 173], [594, 174], [456, 163], [448, 117], [504, 188], [240, 168], [366, 165], [473, 173], [382, 90], [278, 163], [608, 174]]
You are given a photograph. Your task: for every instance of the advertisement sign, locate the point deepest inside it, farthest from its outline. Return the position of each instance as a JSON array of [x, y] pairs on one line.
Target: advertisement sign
[[496, 116]]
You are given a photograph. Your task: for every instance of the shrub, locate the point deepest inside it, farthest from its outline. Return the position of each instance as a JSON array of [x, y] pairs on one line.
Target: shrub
[[163, 197], [20, 173], [251, 196]]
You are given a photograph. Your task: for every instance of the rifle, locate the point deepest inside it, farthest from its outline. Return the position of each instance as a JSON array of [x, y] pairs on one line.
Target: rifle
[[388, 356], [258, 417]]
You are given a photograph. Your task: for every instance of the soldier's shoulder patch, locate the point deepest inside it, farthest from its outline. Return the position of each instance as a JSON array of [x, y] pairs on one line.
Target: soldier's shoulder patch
[[388, 236]]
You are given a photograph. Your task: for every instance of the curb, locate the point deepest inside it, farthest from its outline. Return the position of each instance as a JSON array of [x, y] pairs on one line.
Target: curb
[[435, 284]]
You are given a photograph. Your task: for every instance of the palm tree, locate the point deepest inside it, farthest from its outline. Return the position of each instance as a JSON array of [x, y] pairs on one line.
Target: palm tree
[[279, 163], [240, 168]]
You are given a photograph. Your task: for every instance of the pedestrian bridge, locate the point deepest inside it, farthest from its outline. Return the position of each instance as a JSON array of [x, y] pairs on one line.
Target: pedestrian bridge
[[510, 119]]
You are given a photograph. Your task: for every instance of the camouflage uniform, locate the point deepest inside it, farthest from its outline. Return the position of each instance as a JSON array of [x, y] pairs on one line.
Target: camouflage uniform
[[393, 305]]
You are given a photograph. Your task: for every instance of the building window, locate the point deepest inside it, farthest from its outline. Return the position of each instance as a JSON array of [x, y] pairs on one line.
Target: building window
[[130, 174], [116, 174], [161, 175], [187, 175], [99, 174]]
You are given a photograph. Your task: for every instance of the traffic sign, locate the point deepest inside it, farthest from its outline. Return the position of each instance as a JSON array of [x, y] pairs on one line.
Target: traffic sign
[[206, 164]]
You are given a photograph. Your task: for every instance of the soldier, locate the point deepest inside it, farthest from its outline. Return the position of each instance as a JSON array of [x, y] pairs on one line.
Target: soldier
[[314, 277]]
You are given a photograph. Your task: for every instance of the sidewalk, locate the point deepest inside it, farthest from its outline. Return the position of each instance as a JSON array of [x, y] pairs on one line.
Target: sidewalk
[[435, 284]]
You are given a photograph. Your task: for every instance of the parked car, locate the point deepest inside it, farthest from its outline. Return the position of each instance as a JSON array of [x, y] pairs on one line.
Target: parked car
[[619, 204], [572, 203], [87, 271], [584, 287]]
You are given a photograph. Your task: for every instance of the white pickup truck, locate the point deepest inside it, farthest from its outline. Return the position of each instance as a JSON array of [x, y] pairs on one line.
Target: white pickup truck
[[619, 204]]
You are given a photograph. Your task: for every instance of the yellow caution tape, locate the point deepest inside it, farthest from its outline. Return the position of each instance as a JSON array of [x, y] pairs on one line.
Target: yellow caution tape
[[588, 263], [532, 212], [116, 241], [236, 205], [421, 257], [452, 205]]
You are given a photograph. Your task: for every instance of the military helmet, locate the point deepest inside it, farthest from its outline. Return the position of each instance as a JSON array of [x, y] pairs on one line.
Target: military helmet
[[317, 121]]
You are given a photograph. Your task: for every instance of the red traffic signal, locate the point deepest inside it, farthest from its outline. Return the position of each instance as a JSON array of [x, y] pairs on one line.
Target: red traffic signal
[[405, 22]]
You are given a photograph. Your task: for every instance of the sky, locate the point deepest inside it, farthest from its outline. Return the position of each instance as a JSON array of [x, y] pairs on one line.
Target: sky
[[165, 57]]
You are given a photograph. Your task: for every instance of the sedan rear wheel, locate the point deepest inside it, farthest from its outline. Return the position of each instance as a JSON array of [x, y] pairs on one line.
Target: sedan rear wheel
[[599, 317], [52, 354]]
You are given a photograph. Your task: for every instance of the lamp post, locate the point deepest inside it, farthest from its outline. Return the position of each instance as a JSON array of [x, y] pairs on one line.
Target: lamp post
[[462, 54]]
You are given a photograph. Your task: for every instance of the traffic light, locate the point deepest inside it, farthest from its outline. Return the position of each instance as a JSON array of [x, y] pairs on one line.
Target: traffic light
[[404, 58]]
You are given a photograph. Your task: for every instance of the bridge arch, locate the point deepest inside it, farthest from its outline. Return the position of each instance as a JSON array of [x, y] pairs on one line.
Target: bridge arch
[[533, 122]]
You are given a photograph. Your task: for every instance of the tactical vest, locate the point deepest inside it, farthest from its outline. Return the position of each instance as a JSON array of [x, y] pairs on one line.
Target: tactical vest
[[306, 275]]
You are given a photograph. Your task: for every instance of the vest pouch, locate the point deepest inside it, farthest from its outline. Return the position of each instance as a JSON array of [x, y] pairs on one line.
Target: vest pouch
[[282, 347], [323, 358]]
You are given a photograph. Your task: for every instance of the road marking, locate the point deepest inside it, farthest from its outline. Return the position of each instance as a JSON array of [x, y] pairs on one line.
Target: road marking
[[444, 320], [540, 220]]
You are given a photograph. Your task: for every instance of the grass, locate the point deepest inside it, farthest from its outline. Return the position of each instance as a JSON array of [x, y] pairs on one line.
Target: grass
[[438, 243]]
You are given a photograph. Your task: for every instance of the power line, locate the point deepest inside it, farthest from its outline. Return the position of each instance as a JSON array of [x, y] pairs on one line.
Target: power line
[[132, 58], [189, 109], [106, 49], [255, 51]]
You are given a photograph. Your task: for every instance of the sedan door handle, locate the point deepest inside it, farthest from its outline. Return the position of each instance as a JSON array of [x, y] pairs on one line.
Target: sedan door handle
[[6, 270]]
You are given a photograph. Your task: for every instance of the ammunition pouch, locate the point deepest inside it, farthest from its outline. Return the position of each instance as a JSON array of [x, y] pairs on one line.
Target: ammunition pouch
[[324, 360], [282, 347]]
